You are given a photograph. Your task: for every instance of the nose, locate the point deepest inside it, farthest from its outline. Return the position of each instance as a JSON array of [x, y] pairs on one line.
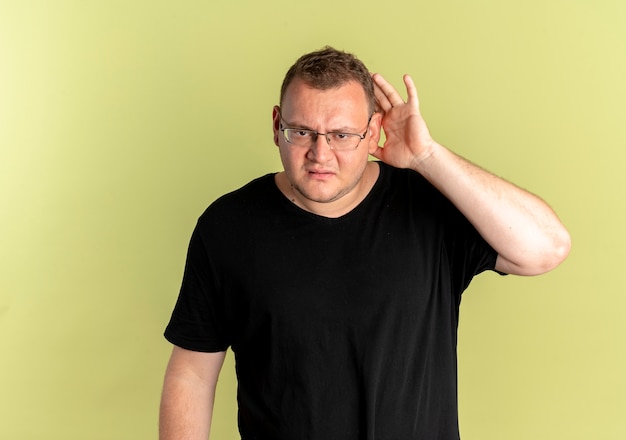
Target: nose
[[320, 150]]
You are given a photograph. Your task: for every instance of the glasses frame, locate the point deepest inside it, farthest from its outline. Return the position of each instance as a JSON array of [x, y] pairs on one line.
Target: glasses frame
[[315, 134]]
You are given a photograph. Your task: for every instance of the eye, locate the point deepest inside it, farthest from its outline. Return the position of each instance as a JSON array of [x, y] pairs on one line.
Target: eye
[[340, 137], [300, 133]]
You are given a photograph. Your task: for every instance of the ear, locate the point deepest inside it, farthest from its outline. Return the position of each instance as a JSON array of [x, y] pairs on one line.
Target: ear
[[374, 131], [276, 123]]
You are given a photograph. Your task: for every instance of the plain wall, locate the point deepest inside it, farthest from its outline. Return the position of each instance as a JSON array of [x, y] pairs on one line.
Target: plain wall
[[120, 121]]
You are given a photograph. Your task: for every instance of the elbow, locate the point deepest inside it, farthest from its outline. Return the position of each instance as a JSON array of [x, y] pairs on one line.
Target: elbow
[[562, 248], [554, 253], [539, 258]]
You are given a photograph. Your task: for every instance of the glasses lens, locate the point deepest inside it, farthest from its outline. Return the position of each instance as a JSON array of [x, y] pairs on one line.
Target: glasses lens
[[302, 138], [307, 138], [343, 141]]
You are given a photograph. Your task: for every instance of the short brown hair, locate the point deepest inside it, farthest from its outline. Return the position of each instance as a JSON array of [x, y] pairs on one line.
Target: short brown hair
[[328, 68]]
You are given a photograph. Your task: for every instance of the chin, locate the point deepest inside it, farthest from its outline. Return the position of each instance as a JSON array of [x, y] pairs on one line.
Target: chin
[[321, 196]]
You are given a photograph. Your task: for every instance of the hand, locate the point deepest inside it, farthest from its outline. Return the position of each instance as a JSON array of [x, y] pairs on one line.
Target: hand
[[408, 141]]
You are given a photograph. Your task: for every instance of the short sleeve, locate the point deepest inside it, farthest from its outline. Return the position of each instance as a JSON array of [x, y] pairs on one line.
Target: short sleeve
[[198, 321]]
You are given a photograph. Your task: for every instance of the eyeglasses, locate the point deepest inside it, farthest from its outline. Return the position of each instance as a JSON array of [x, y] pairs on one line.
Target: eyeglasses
[[336, 140]]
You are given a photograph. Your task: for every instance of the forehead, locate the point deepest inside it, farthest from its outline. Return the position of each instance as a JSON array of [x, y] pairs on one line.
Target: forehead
[[301, 99]]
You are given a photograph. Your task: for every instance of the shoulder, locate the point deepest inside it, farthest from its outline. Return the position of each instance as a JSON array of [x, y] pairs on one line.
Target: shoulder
[[252, 191], [233, 206], [409, 183]]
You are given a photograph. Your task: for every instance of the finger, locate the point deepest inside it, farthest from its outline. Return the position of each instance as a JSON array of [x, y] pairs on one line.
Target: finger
[[381, 99], [411, 90], [392, 95]]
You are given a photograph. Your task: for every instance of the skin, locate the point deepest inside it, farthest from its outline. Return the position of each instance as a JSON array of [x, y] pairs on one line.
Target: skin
[[320, 180], [522, 228], [189, 394]]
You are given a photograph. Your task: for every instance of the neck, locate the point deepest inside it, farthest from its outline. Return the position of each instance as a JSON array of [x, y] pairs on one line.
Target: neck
[[332, 208]]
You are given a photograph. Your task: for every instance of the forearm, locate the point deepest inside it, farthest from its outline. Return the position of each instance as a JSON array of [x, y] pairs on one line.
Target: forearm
[[522, 228], [188, 395], [185, 411]]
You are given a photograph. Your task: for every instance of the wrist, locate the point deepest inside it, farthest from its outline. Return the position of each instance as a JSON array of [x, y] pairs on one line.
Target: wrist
[[421, 161]]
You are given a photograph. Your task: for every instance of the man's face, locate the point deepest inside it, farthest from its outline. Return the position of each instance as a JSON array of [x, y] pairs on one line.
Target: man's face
[[319, 174]]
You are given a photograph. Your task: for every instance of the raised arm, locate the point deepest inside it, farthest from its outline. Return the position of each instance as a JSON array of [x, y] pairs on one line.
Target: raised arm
[[188, 394], [522, 228]]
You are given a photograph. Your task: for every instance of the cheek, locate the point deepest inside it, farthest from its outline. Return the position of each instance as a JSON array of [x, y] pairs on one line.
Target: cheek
[[287, 156], [353, 165]]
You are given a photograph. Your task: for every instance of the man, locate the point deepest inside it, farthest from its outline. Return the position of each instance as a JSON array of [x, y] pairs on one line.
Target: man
[[337, 282]]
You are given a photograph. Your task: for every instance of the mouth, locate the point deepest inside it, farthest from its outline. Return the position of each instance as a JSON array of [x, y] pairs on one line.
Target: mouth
[[320, 174]]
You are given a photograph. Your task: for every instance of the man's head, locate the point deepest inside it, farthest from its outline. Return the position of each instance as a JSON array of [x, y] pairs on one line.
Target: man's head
[[330, 68], [326, 93]]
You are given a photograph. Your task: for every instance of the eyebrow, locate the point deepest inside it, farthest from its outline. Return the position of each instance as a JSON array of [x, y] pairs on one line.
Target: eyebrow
[[343, 129], [290, 125]]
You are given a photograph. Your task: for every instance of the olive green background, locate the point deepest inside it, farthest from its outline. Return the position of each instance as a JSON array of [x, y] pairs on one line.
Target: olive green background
[[120, 121]]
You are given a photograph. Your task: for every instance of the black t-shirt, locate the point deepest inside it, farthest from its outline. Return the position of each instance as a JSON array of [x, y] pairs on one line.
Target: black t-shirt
[[342, 328]]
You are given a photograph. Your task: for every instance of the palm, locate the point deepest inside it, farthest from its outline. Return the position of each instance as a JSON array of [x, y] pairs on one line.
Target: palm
[[407, 137]]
